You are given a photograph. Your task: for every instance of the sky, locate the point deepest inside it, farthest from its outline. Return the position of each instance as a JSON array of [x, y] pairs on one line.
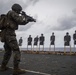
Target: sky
[[58, 16]]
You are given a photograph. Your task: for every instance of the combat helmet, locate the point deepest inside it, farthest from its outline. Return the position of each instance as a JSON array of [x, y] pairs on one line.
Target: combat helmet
[[16, 7]]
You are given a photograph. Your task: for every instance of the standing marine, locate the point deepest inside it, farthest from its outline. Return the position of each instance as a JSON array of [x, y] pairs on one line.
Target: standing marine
[[8, 35]]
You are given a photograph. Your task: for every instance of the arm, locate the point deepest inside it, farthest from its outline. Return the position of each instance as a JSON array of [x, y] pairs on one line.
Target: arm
[[17, 18]]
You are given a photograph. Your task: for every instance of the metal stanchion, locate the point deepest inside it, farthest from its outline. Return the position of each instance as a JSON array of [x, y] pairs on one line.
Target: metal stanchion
[[39, 47], [54, 48], [31, 47], [74, 45], [64, 49], [70, 50], [69, 47], [74, 48], [43, 47], [36, 47], [49, 48], [27, 47]]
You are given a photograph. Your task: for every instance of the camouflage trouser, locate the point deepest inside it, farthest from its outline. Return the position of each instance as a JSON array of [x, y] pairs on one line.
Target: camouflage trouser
[[11, 45]]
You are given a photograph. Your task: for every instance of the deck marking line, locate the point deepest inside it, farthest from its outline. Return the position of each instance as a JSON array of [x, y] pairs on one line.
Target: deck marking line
[[33, 71]]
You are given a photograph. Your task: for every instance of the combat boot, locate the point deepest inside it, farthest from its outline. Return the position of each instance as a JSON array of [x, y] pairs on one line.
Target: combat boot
[[4, 68], [18, 71]]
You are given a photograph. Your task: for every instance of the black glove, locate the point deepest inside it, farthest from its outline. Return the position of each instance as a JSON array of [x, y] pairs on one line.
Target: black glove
[[23, 13]]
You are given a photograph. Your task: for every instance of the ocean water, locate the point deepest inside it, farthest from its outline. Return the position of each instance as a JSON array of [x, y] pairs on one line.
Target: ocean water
[[47, 49], [52, 49]]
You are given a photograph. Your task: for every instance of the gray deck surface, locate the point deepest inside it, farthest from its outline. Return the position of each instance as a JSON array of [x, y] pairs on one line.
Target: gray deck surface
[[46, 64]]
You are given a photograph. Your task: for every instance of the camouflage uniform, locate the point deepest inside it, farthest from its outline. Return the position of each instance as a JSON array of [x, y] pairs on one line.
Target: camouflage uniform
[[9, 38]]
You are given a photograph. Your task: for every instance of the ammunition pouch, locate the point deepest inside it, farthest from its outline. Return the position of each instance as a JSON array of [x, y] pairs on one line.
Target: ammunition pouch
[[2, 35]]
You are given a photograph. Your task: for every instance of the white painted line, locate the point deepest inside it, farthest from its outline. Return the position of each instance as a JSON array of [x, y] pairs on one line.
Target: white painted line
[[36, 72]]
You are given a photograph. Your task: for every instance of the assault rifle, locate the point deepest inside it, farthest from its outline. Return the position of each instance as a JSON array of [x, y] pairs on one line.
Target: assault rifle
[[29, 18]]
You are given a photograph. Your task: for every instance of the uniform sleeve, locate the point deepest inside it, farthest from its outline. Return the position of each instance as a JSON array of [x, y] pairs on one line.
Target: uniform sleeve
[[18, 19]]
